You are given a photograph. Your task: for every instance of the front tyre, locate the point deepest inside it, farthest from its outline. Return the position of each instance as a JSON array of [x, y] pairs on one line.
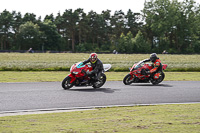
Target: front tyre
[[66, 83], [128, 79], [159, 80], [100, 82]]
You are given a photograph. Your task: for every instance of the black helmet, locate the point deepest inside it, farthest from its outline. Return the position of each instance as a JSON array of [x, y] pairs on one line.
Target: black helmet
[[153, 57]]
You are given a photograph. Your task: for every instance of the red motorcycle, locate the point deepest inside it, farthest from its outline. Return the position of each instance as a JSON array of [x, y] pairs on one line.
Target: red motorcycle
[[138, 74], [78, 77]]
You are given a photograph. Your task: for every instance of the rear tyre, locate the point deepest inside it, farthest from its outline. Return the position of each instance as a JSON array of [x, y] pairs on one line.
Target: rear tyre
[[159, 80], [66, 83], [100, 82], [128, 79]]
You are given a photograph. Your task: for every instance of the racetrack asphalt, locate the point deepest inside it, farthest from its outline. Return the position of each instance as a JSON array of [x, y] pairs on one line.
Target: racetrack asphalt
[[49, 96]]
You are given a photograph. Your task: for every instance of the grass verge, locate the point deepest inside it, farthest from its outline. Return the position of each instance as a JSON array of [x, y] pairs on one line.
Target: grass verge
[[182, 118], [63, 61], [49, 76]]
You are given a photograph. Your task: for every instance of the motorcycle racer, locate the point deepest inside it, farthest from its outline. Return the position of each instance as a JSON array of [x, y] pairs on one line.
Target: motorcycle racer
[[157, 66], [96, 64]]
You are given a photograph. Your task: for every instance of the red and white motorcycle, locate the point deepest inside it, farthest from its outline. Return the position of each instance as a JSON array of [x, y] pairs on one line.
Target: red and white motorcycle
[[78, 77], [137, 74]]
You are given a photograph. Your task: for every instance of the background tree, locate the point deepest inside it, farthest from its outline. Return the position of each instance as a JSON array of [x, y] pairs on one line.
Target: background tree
[[118, 23], [6, 25], [30, 17], [125, 43], [140, 45], [133, 23], [188, 32], [49, 17], [71, 19], [106, 30], [166, 25], [29, 36], [171, 23], [82, 27], [16, 24], [60, 26], [50, 38], [94, 25], [118, 26]]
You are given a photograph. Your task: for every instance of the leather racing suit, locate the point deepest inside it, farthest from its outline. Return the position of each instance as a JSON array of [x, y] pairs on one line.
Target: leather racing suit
[[97, 68], [157, 68]]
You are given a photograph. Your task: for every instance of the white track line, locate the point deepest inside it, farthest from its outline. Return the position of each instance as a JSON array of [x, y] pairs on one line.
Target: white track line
[[59, 110]]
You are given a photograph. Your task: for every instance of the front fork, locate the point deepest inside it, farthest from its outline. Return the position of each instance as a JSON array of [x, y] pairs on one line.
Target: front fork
[[73, 78], [132, 76]]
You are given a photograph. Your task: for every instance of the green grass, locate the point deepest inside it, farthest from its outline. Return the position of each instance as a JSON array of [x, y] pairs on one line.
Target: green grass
[[48, 76], [183, 118], [63, 61]]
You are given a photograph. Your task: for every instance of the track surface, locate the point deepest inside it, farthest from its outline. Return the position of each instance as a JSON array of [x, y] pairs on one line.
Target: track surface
[[50, 95]]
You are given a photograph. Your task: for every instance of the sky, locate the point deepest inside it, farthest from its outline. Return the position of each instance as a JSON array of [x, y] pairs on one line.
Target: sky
[[47, 7]]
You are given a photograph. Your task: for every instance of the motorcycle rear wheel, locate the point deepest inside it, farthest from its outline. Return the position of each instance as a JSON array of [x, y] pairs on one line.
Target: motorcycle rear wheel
[[100, 82], [128, 79], [159, 80], [66, 83]]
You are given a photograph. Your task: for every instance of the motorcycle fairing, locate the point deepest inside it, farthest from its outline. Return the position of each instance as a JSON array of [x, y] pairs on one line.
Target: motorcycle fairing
[[73, 78], [164, 66], [156, 76], [138, 67]]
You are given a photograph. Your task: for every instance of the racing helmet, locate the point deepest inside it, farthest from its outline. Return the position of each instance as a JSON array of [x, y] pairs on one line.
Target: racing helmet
[[93, 57], [153, 57]]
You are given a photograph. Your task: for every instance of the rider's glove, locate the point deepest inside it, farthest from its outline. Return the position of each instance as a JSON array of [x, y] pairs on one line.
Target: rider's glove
[[148, 72], [88, 73]]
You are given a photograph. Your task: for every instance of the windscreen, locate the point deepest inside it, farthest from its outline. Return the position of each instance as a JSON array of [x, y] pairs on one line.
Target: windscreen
[[139, 64], [80, 65]]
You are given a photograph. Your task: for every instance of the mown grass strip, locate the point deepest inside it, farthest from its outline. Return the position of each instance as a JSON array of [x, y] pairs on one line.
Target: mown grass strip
[[63, 61], [116, 69], [50, 76], [182, 118]]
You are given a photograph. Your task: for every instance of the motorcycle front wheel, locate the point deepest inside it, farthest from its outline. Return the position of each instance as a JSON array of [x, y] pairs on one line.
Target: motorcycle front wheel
[[66, 83], [159, 80], [100, 82], [128, 79]]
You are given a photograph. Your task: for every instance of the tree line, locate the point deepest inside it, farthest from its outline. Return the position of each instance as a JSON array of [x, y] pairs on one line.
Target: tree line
[[162, 25]]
